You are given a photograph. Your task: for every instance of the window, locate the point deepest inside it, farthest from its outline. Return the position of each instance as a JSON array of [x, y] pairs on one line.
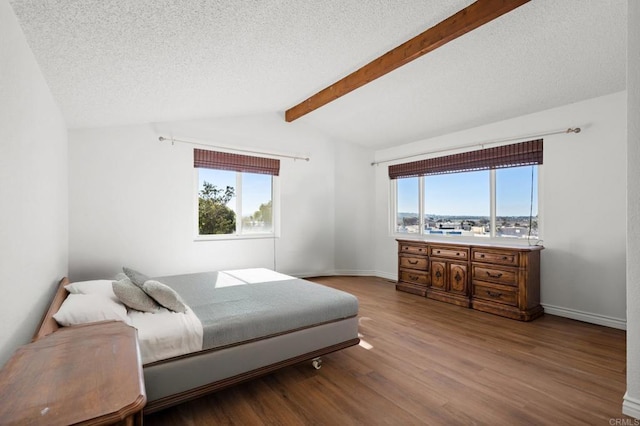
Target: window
[[235, 194], [517, 202], [485, 193], [408, 202], [457, 204]]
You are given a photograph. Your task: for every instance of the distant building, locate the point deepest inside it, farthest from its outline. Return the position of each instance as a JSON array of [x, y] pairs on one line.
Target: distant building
[[513, 231]]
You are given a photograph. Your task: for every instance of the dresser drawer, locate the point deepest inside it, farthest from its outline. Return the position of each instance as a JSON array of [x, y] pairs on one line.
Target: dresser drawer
[[508, 276], [450, 252], [420, 263], [495, 256], [413, 249], [415, 277], [495, 293]]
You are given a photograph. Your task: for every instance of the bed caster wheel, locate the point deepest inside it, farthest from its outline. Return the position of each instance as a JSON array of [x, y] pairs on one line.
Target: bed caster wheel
[[317, 363]]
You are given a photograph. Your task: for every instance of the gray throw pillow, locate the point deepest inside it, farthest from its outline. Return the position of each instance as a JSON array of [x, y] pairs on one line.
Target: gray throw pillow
[[133, 296], [138, 278], [164, 295]]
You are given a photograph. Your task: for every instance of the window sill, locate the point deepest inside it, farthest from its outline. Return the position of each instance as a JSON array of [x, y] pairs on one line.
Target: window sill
[[231, 237]]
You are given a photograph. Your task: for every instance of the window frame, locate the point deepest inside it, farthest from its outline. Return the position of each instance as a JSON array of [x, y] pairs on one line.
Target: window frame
[[393, 213], [237, 235]]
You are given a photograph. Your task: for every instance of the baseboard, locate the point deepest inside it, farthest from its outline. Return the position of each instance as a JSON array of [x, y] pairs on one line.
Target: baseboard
[[354, 272], [631, 406], [379, 274], [345, 272], [387, 275], [586, 316], [310, 274]]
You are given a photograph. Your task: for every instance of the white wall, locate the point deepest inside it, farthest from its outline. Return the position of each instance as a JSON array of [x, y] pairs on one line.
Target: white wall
[[132, 200], [33, 189], [631, 404], [582, 204], [354, 210]]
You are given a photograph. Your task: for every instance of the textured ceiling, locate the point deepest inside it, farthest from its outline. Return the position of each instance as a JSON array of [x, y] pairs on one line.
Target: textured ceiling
[[114, 62]]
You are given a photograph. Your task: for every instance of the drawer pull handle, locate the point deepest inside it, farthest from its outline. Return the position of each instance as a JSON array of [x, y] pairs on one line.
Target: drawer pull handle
[[419, 249], [482, 256], [498, 275], [494, 293], [412, 262], [438, 274], [438, 251], [457, 254], [504, 257], [413, 277]]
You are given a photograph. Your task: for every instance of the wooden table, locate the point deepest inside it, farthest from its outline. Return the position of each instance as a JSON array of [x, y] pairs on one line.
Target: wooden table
[[88, 375]]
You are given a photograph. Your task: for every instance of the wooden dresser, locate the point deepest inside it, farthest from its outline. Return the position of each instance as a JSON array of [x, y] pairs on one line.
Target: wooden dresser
[[500, 279], [82, 375]]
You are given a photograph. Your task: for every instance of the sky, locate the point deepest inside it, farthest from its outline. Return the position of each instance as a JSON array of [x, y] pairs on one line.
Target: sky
[[468, 193], [256, 188]]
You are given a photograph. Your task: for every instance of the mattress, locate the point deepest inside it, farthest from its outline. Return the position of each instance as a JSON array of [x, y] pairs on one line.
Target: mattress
[[256, 303], [236, 306]]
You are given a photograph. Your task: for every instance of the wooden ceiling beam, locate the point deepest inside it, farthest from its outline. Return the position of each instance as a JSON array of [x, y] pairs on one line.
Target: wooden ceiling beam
[[462, 22]]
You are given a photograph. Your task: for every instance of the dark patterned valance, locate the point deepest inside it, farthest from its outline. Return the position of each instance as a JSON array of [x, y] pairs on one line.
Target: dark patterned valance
[[235, 162], [514, 155]]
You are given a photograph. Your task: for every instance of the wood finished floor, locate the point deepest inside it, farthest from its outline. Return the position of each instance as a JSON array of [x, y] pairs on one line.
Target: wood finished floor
[[433, 363]]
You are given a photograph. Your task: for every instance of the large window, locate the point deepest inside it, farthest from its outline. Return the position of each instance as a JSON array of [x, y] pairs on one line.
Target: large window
[[235, 195], [460, 196]]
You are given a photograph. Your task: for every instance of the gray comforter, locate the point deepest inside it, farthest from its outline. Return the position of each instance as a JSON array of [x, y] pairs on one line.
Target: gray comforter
[[239, 313]]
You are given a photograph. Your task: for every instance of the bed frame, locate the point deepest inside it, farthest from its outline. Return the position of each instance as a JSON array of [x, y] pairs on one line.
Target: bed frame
[[179, 379]]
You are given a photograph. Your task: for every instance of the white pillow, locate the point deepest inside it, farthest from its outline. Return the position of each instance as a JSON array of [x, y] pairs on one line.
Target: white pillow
[[101, 287], [85, 308]]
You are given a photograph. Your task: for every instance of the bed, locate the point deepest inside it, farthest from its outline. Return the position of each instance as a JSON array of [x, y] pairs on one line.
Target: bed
[[238, 325]]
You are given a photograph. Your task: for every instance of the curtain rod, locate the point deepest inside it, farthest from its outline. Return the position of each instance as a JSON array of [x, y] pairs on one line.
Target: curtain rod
[[271, 154], [481, 144]]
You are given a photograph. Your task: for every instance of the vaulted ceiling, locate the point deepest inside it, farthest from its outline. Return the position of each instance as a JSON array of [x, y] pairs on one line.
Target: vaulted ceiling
[[116, 62]]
